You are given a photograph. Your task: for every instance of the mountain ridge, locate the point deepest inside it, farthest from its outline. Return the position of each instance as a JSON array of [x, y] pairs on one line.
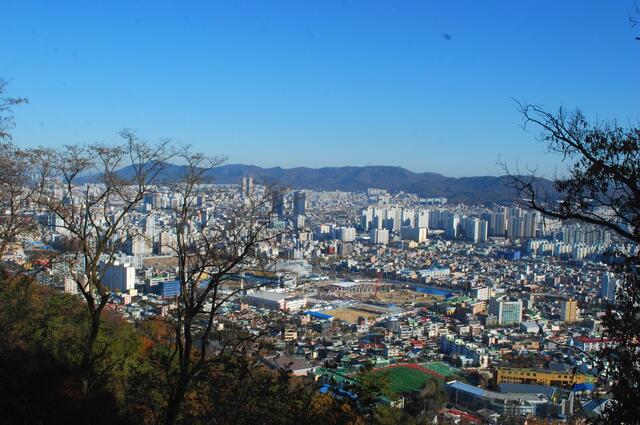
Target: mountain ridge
[[473, 189]]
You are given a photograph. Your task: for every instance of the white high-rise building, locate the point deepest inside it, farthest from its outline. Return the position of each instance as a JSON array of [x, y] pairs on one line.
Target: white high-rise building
[[346, 234], [71, 285], [452, 224], [498, 222], [379, 217], [366, 219], [516, 228], [475, 230], [408, 217], [150, 226], [247, 186], [396, 215], [139, 245], [422, 219], [379, 236], [166, 243], [530, 224]]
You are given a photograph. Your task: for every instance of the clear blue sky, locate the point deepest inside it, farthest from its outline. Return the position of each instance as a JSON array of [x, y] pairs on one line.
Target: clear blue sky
[[319, 83]]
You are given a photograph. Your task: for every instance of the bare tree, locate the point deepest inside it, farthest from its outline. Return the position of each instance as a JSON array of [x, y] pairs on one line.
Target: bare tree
[[15, 194], [88, 196], [14, 166], [214, 244], [601, 187], [6, 111]]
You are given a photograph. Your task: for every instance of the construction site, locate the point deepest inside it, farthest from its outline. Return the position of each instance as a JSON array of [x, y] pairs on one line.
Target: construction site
[[370, 299]]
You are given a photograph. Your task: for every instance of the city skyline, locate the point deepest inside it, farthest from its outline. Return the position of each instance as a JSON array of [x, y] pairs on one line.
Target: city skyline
[[345, 212], [353, 84]]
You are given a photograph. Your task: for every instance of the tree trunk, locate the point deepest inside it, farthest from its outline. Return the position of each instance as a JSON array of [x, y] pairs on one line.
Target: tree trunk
[[86, 364], [176, 400], [183, 381]]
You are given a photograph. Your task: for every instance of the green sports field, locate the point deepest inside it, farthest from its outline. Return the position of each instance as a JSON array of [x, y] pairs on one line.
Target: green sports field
[[440, 368], [405, 379]]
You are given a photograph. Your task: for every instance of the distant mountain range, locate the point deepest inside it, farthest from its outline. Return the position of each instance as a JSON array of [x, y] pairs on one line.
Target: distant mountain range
[[481, 189]]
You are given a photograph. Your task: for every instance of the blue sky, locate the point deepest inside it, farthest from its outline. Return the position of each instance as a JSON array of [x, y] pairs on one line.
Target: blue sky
[[427, 85]]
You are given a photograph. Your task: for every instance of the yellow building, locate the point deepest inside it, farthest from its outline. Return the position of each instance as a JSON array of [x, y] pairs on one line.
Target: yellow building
[[509, 375], [290, 335], [479, 307], [569, 311]]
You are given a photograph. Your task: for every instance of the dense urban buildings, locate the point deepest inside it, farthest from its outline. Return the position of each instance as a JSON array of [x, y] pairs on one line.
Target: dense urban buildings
[[499, 306]]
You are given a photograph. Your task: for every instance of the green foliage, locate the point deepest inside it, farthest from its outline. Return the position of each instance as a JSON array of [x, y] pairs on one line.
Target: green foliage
[[372, 385], [35, 319], [42, 332], [40, 347], [387, 415]]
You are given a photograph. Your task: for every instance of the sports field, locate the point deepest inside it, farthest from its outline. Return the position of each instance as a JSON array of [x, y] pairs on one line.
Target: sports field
[[440, 368], [350, 315], [406, 378]]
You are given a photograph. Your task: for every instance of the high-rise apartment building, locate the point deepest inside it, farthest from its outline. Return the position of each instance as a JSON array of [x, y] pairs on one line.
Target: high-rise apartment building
[[417, 234], [451, 225], [71, 284], [247, 186], [608, 287], [569, 310], [379, 236], [346, 234], [366, 218], [530, 224], [475, 230], [422, 219], [139, 245]]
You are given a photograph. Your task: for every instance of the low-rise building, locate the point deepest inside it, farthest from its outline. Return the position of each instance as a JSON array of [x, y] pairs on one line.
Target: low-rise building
[[539, 377]]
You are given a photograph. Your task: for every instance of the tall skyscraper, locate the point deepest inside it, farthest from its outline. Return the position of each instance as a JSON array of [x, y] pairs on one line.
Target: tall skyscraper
[[247, 186], [396, 215], [408, 217], [277, 203], [299, 203], [150, 226], [569, 310]]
